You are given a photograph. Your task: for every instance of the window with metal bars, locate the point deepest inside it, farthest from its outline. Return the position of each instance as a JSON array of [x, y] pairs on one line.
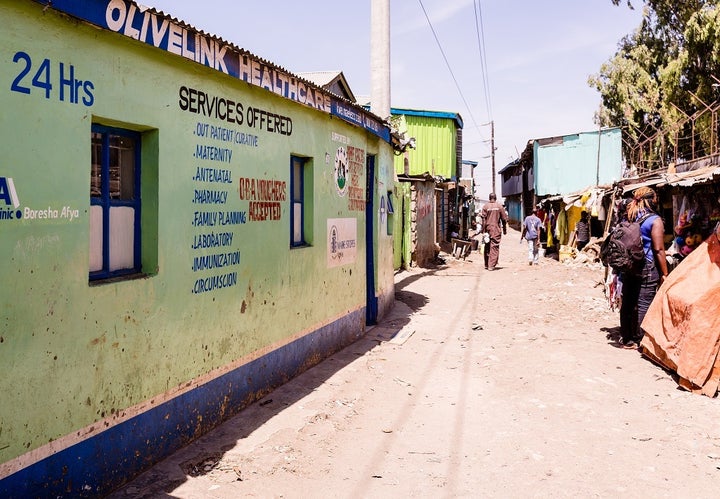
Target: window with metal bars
[[114, 203]]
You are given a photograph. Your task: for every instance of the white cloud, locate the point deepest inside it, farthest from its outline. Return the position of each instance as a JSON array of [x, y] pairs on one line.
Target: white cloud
[[412, 18]]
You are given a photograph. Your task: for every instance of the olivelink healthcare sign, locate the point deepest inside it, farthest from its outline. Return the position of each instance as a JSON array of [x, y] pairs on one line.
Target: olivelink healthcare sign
[[146, 25]]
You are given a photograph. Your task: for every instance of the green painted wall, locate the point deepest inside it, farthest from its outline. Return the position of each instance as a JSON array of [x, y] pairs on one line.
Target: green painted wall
[[402, 245], [72, 354], [435, 151]]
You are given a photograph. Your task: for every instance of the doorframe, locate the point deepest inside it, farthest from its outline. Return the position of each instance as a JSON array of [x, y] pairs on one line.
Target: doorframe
[[371, 307]]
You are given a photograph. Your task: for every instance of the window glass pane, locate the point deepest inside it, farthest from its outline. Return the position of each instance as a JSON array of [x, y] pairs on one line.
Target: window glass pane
[[297, 179], [96, 168], [122, 240], [122, 167], [297, 223], [96, 238]]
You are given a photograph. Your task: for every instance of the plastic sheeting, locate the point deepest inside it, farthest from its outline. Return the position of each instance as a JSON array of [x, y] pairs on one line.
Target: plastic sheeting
[[682, 325]]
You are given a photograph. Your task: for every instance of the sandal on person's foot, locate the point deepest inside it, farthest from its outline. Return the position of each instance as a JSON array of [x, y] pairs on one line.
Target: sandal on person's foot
[[628, 345]]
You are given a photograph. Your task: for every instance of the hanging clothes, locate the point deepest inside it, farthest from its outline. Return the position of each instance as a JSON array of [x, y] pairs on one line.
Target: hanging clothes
[[550, 226], [550, 240], [613, 291], [562, 227]]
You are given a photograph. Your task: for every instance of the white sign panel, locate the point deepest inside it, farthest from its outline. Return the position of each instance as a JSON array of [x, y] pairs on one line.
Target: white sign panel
[[341, 241]]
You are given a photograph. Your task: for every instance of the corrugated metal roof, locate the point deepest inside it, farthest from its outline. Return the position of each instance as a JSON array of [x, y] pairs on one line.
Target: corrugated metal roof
[[693, 177], [561, 137], [321, 78], [429, 114], [332, 81], [683, 179], [184, 24]]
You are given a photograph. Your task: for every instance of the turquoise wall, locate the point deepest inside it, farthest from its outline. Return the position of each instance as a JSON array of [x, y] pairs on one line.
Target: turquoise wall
[[571, 164], [77, 358]]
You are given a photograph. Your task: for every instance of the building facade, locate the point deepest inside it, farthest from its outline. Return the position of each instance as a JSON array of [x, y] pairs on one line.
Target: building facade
[[427, 210], [185, 226], [570, 163], [554, 167]]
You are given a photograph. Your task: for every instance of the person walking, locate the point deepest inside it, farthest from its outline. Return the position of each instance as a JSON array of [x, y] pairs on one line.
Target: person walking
[[494, 223], [638, 291], [582, 230], [531, 232]]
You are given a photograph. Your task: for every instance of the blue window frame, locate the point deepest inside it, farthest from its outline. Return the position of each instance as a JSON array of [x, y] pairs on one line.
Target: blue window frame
[[114, 203], [390, 213], [297, 201]]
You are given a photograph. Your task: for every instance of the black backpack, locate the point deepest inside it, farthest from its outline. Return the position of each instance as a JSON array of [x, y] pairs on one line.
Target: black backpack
[[622, 249]]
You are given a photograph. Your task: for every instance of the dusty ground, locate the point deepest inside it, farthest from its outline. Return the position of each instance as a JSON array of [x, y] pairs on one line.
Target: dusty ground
[[480, 384]]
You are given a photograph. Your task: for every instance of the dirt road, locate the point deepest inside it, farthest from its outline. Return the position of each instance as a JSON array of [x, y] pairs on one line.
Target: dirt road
[[480, 384]]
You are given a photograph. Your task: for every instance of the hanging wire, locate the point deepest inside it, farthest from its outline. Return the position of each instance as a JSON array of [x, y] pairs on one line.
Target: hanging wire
[[479, 29], [447, 63]]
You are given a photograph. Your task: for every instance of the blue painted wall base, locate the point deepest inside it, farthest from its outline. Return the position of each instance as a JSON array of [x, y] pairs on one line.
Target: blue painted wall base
[[97, 466]]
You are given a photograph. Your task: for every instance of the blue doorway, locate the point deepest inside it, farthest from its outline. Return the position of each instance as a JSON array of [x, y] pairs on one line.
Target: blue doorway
[[371, 309]]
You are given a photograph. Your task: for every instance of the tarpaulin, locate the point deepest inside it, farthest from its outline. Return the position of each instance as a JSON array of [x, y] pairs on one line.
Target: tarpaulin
[[682, 325]]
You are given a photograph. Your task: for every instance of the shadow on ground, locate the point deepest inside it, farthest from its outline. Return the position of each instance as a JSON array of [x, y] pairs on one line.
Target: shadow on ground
[[203, 455]]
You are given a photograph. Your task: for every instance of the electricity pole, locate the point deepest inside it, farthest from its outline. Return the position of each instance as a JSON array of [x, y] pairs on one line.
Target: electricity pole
[[380, 58], [492, 147]]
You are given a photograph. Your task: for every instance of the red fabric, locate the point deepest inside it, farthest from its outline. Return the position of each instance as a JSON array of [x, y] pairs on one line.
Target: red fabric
[[682, 325]]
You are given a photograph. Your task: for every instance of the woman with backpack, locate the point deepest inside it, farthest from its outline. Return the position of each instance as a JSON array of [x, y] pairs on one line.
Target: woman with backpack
[[638, 289]]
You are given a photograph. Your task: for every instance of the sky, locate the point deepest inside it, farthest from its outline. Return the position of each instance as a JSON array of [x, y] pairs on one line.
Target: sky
[[538, 56]]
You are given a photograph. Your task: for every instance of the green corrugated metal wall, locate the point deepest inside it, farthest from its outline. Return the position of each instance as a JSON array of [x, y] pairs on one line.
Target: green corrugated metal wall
[[402, 250], [435, 151]]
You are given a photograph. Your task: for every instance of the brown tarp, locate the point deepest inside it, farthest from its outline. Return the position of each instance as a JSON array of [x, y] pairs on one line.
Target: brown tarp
[[682, 325]]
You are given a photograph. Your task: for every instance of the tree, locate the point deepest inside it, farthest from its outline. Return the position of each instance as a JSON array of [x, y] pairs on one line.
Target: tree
[[660, 83]]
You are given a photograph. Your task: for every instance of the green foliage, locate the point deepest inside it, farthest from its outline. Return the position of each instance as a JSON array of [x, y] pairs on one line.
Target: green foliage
[[661, 82]]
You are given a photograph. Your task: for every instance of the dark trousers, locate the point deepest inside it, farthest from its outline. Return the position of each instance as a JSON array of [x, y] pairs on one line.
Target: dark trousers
[[637, 294], [492, 251]]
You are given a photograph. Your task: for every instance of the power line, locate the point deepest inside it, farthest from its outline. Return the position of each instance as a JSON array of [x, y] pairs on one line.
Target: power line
[[480, 30], [457, 85]]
